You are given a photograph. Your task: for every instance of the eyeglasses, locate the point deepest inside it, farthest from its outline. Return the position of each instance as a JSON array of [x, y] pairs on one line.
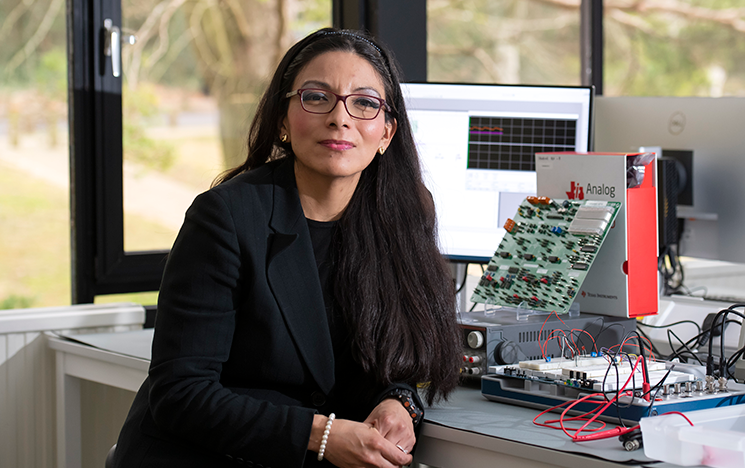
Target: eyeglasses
[[321, 101]]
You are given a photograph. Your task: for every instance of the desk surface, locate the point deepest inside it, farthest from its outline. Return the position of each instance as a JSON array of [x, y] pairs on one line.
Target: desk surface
[[469, 411], [467, 416], [469, 420], [136, 343]]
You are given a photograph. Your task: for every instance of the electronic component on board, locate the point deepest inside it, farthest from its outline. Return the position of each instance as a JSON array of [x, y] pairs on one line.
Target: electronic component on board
[[509, 225], [547, 252]]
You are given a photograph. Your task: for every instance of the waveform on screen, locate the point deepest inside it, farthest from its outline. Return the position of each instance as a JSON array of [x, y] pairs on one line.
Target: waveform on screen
[[475, 130], [510, 143]]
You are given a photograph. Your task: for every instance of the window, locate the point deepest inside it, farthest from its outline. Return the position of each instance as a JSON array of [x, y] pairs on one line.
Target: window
[[34, 182], [682, 48], [651, 48], [503, 41], [191, 82]]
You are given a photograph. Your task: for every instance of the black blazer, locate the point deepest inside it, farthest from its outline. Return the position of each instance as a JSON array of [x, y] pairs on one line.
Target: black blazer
[[242, 354]]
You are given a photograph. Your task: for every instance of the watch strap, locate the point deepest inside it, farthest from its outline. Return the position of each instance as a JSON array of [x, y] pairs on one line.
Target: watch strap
[[406, 399]]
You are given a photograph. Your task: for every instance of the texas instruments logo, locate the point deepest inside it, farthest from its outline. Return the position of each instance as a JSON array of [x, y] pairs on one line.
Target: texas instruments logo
[[576, 192]]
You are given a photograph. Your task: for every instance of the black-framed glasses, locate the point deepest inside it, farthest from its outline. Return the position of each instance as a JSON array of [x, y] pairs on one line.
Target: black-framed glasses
[[322, 101]]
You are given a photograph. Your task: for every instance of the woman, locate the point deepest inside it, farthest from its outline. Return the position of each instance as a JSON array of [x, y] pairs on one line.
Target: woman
[[306, 283]]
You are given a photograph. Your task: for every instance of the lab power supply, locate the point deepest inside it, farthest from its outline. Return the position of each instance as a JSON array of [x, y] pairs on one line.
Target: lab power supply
[[499, 338]]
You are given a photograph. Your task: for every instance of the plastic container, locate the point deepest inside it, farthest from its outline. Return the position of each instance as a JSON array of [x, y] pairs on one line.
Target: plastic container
[[717, 437]]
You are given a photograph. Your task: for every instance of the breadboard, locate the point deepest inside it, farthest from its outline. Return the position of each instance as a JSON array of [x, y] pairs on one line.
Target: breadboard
[[591, 373], [546, 254], [546, 383]]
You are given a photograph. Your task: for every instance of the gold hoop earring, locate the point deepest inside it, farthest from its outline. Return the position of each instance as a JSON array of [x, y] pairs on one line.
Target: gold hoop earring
[[283, 138], [381, 150]]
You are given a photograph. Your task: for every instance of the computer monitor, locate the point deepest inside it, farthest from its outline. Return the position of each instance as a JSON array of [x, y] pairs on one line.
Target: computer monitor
[[712, 129], [477, 144]]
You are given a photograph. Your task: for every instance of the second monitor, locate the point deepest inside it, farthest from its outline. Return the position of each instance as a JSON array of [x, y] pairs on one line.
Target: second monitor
[[477, 144]]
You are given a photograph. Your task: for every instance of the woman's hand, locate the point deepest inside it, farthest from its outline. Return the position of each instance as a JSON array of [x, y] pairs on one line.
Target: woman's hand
[[352, 445], [393, 422]]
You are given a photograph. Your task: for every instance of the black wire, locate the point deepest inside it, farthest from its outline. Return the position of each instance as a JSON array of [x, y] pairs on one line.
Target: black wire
[[670, 334], [722, 371], [659, 387], [733, 360], [663, 269], [676, 267], [595, 338], [618, 384], [698, 327], [684, 345], [735, 356], [633, 383], [608, 328], [710, 358], [724, 325], [694, 342], [641, 353], [670, 253], [655, 350], [677, 353], [721, 340]]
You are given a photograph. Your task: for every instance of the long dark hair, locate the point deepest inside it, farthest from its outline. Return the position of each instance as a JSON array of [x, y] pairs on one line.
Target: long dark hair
[[391, 282]]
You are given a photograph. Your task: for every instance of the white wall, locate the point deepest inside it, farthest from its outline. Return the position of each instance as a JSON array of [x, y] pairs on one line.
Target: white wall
[[27, 384]]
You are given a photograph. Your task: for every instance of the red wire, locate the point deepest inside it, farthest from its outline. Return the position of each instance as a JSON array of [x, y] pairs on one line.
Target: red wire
[[560, 320], [647, 348], [543, 351], [595, 413], [681, 414], [548, 422], [551, 336], [554, 334], [598, 413], [601, 407], [594, 345], [544, 346]]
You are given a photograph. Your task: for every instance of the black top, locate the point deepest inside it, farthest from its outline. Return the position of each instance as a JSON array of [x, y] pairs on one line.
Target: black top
[[352, 384], [243, 356], [321, 235]]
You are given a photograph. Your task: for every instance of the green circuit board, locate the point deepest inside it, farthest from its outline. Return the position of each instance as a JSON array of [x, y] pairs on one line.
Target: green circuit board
[[546, 254]]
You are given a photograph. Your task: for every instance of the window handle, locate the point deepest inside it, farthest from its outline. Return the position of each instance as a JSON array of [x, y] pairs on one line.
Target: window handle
[[113, 40], [113, 46]]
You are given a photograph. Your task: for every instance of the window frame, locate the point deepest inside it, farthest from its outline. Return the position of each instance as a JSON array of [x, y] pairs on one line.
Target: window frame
[[100, 265]]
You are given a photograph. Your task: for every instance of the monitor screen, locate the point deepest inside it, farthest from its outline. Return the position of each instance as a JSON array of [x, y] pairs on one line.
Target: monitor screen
[[477, 144], [710, 128]]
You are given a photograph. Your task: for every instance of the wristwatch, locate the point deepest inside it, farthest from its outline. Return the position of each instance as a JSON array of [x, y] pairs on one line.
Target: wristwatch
[[407, 400]]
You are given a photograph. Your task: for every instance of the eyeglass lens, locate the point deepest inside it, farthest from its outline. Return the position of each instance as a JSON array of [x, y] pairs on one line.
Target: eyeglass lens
[[358, 105]]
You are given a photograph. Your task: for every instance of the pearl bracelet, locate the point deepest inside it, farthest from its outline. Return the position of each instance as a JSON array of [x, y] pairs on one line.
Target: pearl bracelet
[[325, 437]]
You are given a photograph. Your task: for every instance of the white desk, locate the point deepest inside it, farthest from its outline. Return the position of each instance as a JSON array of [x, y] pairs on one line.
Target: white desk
[[78, 361], [444, 447], [469, 431]]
